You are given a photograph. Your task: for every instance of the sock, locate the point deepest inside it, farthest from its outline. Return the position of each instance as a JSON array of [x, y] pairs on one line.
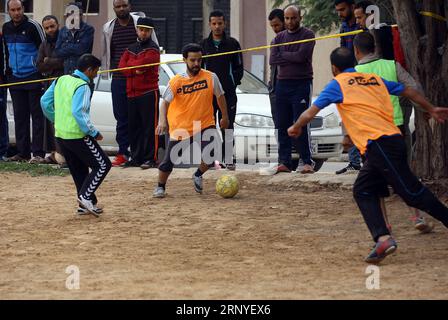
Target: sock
[[162, 185], [199, 173]]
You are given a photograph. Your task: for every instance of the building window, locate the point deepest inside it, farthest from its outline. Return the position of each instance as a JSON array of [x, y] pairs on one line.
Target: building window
[[93, 6]]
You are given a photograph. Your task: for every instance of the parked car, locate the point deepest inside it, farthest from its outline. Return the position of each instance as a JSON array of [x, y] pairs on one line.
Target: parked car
[[254, 128]]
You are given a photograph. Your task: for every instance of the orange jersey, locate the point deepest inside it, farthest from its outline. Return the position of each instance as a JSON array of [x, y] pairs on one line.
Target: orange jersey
[[192, 102], [366, 109]]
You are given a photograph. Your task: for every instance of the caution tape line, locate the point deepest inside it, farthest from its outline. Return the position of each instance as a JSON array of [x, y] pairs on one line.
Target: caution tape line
[[433, 15], [339, 35]]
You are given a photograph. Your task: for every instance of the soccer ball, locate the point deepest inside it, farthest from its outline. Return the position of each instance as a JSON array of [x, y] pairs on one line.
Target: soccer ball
[[227, 186]]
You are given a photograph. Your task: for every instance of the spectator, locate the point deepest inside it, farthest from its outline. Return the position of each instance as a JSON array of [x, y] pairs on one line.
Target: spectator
[[277, 22], [4, 133], [50, 67], [293, 88], [345, 10], [23, 37], [143, 96], [73, 43], [230, 71], [118, 34]]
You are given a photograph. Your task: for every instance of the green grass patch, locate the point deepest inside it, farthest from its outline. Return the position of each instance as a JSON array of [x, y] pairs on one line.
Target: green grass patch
[[33, 170]]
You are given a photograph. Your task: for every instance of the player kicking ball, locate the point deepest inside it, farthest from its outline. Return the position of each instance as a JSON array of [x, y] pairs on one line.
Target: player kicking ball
[[67, 104], [187, 112], [364, 104]]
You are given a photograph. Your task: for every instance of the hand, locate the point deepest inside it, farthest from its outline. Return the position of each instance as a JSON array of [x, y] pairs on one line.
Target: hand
[[440, 114], [347, 143], [46, 59], [294, 132], [224, 123], [139, 72], [162, 129], [99, 137]]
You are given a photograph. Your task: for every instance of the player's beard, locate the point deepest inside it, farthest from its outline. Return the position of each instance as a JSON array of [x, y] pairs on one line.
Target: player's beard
[[194, 71]]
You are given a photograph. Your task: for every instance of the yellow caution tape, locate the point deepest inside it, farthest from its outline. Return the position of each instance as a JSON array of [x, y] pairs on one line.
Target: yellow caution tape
[[433, 15], [204, 57]]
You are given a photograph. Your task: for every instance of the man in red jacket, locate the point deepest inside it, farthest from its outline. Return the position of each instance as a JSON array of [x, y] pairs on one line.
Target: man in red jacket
[[143, 96]]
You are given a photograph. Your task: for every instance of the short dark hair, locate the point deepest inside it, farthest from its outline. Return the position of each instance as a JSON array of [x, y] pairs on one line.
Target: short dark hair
[[365, 42], [87, 61], [191, 47], [349, 2], [342, 58], [277, 13], [76, 4], [363, 5], [7, 4], [216, 14], [50, 17]]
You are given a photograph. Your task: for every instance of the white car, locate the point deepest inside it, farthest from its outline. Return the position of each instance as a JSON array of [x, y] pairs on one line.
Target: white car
[[254, 129]]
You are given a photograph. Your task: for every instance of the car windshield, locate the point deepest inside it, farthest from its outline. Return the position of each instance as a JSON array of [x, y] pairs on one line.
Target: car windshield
[[249, 84]]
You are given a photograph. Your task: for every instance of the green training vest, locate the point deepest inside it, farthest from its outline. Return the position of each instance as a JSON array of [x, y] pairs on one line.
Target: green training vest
[[387, 70], [65, 123]]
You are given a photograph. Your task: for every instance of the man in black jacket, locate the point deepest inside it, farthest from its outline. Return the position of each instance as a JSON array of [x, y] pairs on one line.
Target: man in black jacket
[[230, 71]]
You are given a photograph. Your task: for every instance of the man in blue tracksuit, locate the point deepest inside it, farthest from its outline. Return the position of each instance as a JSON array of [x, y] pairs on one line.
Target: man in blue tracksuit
[[4, 133], [22, 37]]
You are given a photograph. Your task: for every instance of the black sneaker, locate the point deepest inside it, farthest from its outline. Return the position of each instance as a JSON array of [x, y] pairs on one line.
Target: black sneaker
[[349, 169], [148, 165], [130, 164]]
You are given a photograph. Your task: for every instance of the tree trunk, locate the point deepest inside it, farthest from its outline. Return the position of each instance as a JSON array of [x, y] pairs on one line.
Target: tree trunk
[[425, 43]]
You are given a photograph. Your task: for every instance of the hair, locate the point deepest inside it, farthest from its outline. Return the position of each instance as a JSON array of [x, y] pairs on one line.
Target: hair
[[50, 17], [295, 7], [349, 2], [277, 13], [113, 2], [342, 58], [7, 4], [87, 61], [365, 42], [191, 47], [363, 5], [76, 4], [217, 14]]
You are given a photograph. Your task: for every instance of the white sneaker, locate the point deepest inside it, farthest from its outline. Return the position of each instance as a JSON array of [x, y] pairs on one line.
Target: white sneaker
[[83, 212], [159, 193], [88, 205], [198, 184]]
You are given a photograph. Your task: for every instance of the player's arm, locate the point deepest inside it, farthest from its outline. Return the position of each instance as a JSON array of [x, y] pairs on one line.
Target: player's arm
[[398, 89], [162, 127], [222, 103], [331, 94], [47, 103], [296, 130]]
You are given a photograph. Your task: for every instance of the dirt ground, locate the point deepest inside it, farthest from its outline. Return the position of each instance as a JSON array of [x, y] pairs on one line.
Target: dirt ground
[[278, 239]]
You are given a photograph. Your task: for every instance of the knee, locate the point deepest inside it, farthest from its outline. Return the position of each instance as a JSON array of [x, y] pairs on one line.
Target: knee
[[166, 167]]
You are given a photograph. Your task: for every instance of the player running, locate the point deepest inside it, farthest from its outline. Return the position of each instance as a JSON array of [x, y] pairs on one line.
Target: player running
[[187, 112], [365, 106]]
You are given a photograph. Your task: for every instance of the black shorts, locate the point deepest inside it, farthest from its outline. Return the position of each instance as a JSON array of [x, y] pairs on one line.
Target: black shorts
[[186, 152]]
